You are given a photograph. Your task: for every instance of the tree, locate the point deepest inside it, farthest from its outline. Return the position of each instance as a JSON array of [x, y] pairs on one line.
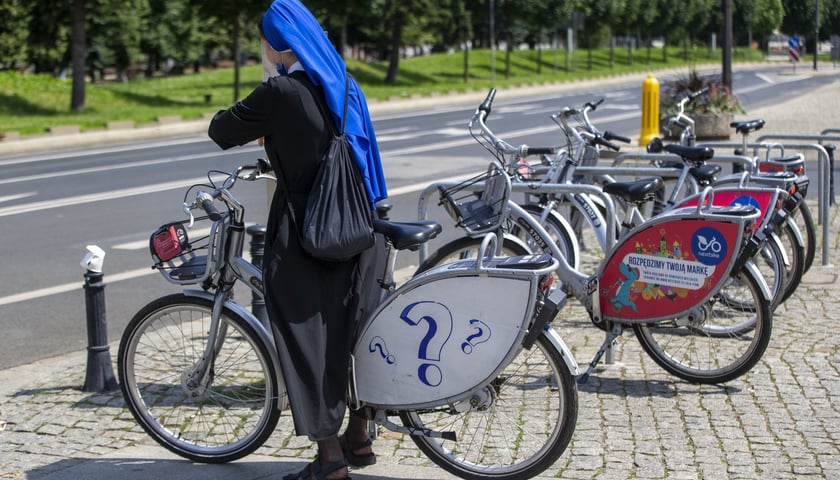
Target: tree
[[830, 16], [14, 18], [236, 13], [78, 49], [760, 17]]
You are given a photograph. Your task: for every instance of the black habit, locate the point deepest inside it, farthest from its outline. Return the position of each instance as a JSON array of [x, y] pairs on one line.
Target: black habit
[[312, 304]]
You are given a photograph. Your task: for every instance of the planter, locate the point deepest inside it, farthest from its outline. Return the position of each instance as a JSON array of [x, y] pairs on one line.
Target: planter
[[708, 126]]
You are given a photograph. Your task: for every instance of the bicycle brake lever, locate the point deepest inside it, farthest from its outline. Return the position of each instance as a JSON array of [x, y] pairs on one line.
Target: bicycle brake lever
[[188, 211]]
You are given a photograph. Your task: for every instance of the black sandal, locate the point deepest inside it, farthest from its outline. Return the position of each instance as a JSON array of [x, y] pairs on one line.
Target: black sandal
[[349, 447], [318, 471]]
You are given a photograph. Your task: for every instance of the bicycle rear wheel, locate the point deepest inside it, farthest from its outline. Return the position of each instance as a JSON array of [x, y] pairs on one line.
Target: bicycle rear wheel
[[556, 228], [222, 418], [805, 221], [717, 343], [517, 429], [791, 242]]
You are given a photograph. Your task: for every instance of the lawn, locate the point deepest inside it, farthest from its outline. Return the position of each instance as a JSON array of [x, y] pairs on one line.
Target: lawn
[[31, 104]]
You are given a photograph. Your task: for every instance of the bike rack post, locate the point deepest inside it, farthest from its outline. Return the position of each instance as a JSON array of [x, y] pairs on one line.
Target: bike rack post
[[257, 251], [100, 375]]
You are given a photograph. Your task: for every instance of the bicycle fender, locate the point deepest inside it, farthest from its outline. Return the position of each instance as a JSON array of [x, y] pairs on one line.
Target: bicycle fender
[[558, 343], [762, 283], [265, 336]]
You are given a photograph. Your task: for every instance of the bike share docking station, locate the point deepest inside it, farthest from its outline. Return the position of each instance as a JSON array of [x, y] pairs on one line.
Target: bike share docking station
[[100, 374]]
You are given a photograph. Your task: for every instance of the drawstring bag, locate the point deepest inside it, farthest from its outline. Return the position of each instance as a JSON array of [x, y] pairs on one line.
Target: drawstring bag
[[338, 221]]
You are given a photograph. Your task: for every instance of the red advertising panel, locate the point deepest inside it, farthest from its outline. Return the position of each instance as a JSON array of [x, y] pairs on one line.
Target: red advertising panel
[[666, 269]]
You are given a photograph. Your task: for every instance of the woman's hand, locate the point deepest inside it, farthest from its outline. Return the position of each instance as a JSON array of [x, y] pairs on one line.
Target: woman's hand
[[261, 141]]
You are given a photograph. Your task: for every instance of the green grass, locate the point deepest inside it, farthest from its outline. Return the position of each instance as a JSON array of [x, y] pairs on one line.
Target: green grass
[[31, 104]]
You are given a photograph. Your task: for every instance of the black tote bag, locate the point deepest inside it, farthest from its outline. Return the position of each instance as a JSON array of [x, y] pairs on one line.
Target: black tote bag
[[338, 221]]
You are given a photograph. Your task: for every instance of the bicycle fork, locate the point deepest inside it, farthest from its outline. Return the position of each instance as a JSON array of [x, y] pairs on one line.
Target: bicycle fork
[[196, 378]]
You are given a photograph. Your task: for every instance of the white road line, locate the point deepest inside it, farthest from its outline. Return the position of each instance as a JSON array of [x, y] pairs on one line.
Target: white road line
[[69, 287], [120, 166], [9, 198], [103, 150], [98, 197]]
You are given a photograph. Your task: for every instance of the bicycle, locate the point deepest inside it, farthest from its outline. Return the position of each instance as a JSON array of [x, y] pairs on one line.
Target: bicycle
[[582, 210], [676, 334], [466, 375]]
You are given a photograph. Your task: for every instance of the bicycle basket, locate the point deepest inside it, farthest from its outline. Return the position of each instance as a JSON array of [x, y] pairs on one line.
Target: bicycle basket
[[478, 204], [179, 259]]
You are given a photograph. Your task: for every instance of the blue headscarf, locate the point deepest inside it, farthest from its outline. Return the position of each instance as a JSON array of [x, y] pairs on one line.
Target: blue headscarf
[[289, 25]]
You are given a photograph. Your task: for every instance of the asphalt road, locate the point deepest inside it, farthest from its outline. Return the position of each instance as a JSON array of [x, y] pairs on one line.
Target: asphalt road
[[53, 205]]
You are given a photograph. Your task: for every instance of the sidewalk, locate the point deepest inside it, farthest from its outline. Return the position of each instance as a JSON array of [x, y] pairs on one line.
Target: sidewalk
[[635, 421]]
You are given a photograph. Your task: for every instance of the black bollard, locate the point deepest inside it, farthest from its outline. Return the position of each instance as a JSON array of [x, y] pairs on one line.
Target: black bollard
[[100, 375], [257, 233]]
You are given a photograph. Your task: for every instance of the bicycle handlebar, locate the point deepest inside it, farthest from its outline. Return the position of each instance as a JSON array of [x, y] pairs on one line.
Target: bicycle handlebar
[[500, 145]]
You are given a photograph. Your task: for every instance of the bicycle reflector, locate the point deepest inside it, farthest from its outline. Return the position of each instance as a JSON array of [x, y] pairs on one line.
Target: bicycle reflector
[[169, 241]]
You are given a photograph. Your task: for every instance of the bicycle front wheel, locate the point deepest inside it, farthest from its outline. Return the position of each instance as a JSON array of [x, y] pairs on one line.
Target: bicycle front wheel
[[515, 429], [220, 416], [718, 342]]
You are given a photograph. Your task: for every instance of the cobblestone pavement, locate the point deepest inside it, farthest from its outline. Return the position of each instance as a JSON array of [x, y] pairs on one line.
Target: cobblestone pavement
[[778, 421]]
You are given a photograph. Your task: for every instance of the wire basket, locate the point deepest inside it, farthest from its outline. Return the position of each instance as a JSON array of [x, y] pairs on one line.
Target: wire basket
[[478, 204], [180, 259]]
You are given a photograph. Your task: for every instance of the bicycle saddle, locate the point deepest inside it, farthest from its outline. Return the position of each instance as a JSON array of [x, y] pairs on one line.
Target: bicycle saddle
[[693, 154], [705, 174], [407, 235], [747, 126], [636, 191]]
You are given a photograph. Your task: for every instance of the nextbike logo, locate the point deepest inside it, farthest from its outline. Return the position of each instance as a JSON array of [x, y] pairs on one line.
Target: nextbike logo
[[708, 246], [746, 200]]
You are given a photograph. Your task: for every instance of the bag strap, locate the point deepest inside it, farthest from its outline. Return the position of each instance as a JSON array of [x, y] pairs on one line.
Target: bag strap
[[328, 119], [324, 113]]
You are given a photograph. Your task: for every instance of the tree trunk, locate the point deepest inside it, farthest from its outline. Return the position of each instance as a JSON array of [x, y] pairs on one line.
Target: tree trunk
[[394, 54], [237, 52], [342, 35], [78, 51], [466, 61]]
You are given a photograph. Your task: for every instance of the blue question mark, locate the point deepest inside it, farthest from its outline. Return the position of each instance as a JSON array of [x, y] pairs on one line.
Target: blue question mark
[[378, 343], [438, 320], [480, 336]]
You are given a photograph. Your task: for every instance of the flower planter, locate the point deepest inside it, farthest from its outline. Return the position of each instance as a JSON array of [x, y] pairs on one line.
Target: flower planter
[[708, 126]]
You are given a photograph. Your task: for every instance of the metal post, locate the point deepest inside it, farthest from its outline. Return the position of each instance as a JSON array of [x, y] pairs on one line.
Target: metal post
[[257, 233], [100, 374]]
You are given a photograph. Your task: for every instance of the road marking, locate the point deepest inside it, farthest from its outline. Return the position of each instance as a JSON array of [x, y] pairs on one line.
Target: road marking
[[104, 150], [141, 163], [9, 198], [69, 287], [98, 197]]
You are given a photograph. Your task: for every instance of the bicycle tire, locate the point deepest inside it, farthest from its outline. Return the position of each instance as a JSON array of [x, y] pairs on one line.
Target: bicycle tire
[[221, 421], [507, 439], [683, 347], [466, 247], [795, 253], [557, 230], [805, 221]]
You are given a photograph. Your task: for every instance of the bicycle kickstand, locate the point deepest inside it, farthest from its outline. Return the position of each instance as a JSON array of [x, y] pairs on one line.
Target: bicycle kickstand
[[608, 341]]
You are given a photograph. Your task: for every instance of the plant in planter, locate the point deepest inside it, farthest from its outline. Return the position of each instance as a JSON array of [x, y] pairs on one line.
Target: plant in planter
[[712, 112]]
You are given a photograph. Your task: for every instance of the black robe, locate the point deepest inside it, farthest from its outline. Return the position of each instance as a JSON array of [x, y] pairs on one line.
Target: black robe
[[312, 305]]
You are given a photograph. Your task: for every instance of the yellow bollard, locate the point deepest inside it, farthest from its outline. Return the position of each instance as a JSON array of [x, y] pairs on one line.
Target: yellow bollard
[[650, 110]]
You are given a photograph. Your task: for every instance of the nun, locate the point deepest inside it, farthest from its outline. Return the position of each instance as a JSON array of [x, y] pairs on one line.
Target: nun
[[313, 305]]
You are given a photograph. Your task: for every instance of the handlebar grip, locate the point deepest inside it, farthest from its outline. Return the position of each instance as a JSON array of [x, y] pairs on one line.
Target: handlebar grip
[[614, 136], [488, 101], [603, 141], [541, 150], [702, 91], [593, 105], [206, 201]]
